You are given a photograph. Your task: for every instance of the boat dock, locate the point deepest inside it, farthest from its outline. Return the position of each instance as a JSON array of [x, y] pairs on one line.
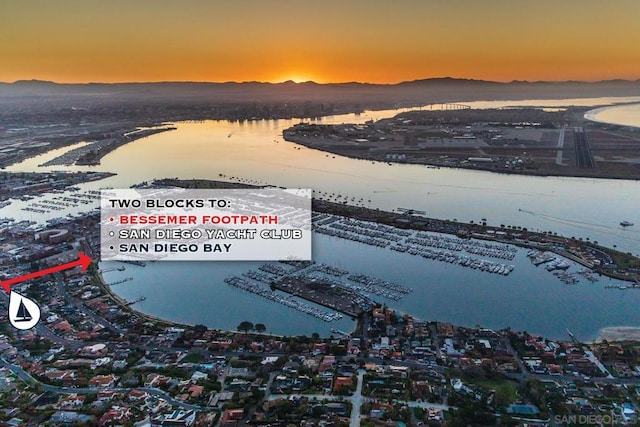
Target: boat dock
[[120, 281], [135, 301], [326, 293], [107, 270], [434, 246], [322, 284], [559, 266], [254, 288], [136, 263]]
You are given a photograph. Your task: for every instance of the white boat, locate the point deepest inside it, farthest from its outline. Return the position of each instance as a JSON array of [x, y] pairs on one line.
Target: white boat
[[626, 224]]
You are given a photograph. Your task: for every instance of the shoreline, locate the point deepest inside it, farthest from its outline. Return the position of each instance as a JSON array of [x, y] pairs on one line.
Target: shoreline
[[477, 167], [94, 155], [590, 115], [525, 238], [122, 304], [365, 214], [617, 334], [468, 230], [92, 158]]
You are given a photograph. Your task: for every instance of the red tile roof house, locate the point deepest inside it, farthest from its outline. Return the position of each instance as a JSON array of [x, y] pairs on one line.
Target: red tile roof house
[[115, 416], [107, 395], [342, 382], [103, 380], [55, 374], [196, 390], [231, 417], [63, 326], [154, 380], [137, 394]]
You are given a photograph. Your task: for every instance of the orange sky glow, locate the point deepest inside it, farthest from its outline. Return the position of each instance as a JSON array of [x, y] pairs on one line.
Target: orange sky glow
[[330, 41]]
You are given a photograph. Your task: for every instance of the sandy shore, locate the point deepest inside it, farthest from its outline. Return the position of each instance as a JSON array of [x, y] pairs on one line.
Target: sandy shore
[[591, 115], [619, 333]]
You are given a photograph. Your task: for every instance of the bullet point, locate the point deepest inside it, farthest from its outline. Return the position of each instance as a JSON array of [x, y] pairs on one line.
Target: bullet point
[[111, 219], [111, 233], [111, 247]]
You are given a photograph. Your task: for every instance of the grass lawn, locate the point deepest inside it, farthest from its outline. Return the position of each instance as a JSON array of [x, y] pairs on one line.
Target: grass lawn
[[506, 390], [193, 358]]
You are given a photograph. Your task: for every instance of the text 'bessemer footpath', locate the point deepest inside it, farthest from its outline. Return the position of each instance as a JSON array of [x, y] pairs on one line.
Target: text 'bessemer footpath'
[[205, 225]]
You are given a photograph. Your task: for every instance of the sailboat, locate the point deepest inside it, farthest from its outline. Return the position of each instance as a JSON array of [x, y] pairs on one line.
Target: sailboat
[[23, 314]]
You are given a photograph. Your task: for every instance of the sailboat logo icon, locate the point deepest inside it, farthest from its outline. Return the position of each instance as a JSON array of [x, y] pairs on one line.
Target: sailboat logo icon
[[23, 313]]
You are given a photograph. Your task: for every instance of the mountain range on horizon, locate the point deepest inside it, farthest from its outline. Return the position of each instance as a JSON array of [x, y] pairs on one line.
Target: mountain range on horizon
[[423, 91], [429, 80]]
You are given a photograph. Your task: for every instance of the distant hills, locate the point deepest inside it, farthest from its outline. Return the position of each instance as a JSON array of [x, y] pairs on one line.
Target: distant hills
[[423, 91]]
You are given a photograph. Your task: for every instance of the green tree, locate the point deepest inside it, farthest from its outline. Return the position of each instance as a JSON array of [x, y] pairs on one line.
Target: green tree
[[200, 329], [245, 326], [317, 411]]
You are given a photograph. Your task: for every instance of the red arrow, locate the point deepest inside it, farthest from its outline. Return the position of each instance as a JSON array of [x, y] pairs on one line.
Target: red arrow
[[83, 260]]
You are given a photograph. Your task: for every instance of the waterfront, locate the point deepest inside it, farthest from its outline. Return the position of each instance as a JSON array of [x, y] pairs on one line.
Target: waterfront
[[627, 115], [255, 152], [529, 298]]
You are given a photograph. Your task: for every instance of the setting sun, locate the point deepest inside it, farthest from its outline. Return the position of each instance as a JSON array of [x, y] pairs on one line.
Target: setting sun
[[371, 42], [296, 78]]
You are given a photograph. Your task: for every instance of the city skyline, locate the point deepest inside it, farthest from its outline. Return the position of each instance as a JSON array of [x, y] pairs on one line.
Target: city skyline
[[373, 42]]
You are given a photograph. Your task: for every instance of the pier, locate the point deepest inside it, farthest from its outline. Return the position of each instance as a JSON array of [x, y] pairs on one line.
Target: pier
[[135, 301], [120, 281], [136, 263], [107, 270]]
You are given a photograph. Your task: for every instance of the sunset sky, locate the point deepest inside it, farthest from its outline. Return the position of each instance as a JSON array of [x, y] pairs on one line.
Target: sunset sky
[[375, 41]]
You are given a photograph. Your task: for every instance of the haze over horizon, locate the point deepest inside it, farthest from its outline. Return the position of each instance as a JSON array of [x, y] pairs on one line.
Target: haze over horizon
[[426, 79], [333, 42]]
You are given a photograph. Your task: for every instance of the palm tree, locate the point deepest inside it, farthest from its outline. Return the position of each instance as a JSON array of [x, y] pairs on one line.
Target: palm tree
[[245, 326]]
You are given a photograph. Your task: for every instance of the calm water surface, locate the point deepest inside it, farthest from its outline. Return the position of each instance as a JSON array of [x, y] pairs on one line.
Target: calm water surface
[[530, 298]]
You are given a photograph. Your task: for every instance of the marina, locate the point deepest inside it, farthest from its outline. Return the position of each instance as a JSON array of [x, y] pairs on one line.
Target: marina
[[327, 293], [435, 246], [318, 283], [438, 192], [73, 199], [575, 207], [254, 288], [559, 266], [440, 291], [251, 214]]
